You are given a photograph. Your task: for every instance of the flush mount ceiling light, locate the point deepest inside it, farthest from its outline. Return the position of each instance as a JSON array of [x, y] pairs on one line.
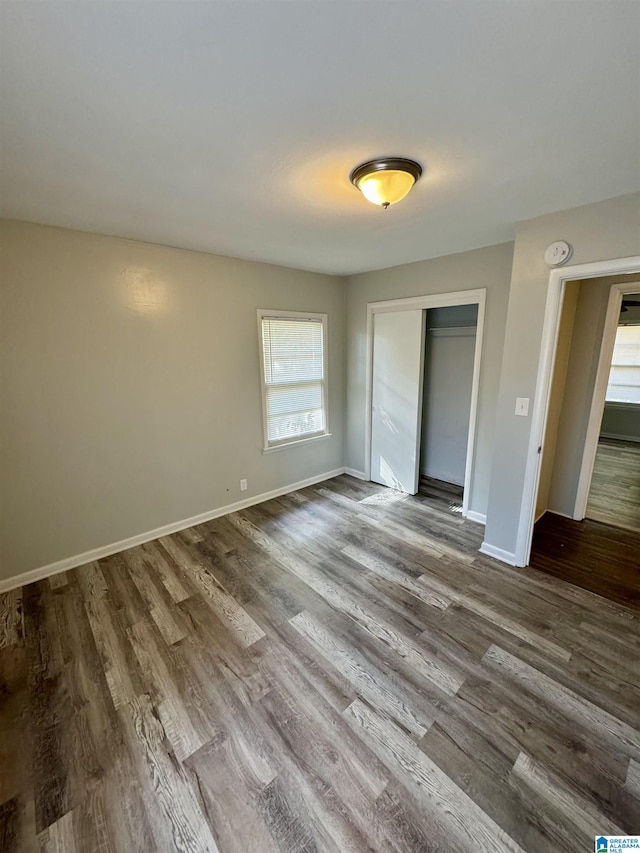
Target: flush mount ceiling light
[[387, 180]]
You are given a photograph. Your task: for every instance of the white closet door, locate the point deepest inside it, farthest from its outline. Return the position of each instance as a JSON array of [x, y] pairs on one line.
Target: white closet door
[[398, 365]]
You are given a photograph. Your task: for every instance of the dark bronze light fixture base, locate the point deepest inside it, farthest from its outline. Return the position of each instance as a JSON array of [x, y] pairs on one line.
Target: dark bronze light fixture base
[[382, 164]]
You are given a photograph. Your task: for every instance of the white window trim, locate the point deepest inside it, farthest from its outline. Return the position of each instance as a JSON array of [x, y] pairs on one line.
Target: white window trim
[[294, 315]]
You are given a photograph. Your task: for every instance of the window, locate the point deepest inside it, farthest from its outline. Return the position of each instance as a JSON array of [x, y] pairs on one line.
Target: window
[[624, 378], [294, 369]]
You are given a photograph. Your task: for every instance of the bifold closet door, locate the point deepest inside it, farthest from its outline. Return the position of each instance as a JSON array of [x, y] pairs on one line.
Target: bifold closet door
[[398, 367]]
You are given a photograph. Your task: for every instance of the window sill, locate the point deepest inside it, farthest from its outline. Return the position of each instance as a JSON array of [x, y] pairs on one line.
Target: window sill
[[296, 443]]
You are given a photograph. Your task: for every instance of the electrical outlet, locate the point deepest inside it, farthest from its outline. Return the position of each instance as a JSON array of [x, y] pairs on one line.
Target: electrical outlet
[[243, 485]]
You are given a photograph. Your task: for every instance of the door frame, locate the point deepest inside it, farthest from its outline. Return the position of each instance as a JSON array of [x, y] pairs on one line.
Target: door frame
[[439, 300], [546, 363], [596, 412]]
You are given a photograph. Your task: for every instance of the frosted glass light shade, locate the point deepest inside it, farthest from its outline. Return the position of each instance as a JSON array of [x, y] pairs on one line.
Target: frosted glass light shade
[[386, 188], [385, 182]]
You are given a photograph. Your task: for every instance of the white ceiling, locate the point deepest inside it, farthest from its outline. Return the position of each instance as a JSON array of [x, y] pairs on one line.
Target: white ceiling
[[232, 126]]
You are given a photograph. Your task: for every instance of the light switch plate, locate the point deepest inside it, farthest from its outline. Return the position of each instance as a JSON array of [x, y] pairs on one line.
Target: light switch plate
[[522, 406]]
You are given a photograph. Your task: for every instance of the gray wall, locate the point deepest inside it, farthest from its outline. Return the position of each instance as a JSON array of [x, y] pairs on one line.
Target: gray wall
[[608, 229], [632, 314], [452, 316], [622, 421], [448, 379], [130, 388], [164, 416], [489, 268]]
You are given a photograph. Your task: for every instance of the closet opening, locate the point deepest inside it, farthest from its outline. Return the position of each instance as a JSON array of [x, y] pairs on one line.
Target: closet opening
[[449, 352], [422, 394]]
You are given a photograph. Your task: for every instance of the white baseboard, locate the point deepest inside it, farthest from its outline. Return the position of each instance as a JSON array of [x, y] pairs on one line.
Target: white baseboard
[[480, 517], [450, 479], [562, 514], [115, 547], [554, 512], [359, 475], [499, 553]]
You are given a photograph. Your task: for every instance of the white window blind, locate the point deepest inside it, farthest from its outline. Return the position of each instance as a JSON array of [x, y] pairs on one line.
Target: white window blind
[[624, 378], [294, 393]]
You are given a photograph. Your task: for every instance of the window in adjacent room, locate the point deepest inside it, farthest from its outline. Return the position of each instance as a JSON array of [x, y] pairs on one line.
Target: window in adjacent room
[[624, 378], [293, 350]]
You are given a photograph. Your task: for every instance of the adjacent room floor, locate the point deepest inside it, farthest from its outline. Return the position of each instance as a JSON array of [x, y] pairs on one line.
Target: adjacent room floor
[[614, 496], [592, 555], [601, 553], [334, 670]]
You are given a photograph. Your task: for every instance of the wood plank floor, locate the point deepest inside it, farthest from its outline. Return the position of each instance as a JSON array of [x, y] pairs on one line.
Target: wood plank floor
[[594, 556], [445, 494], [614, 496], [335, 670]]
